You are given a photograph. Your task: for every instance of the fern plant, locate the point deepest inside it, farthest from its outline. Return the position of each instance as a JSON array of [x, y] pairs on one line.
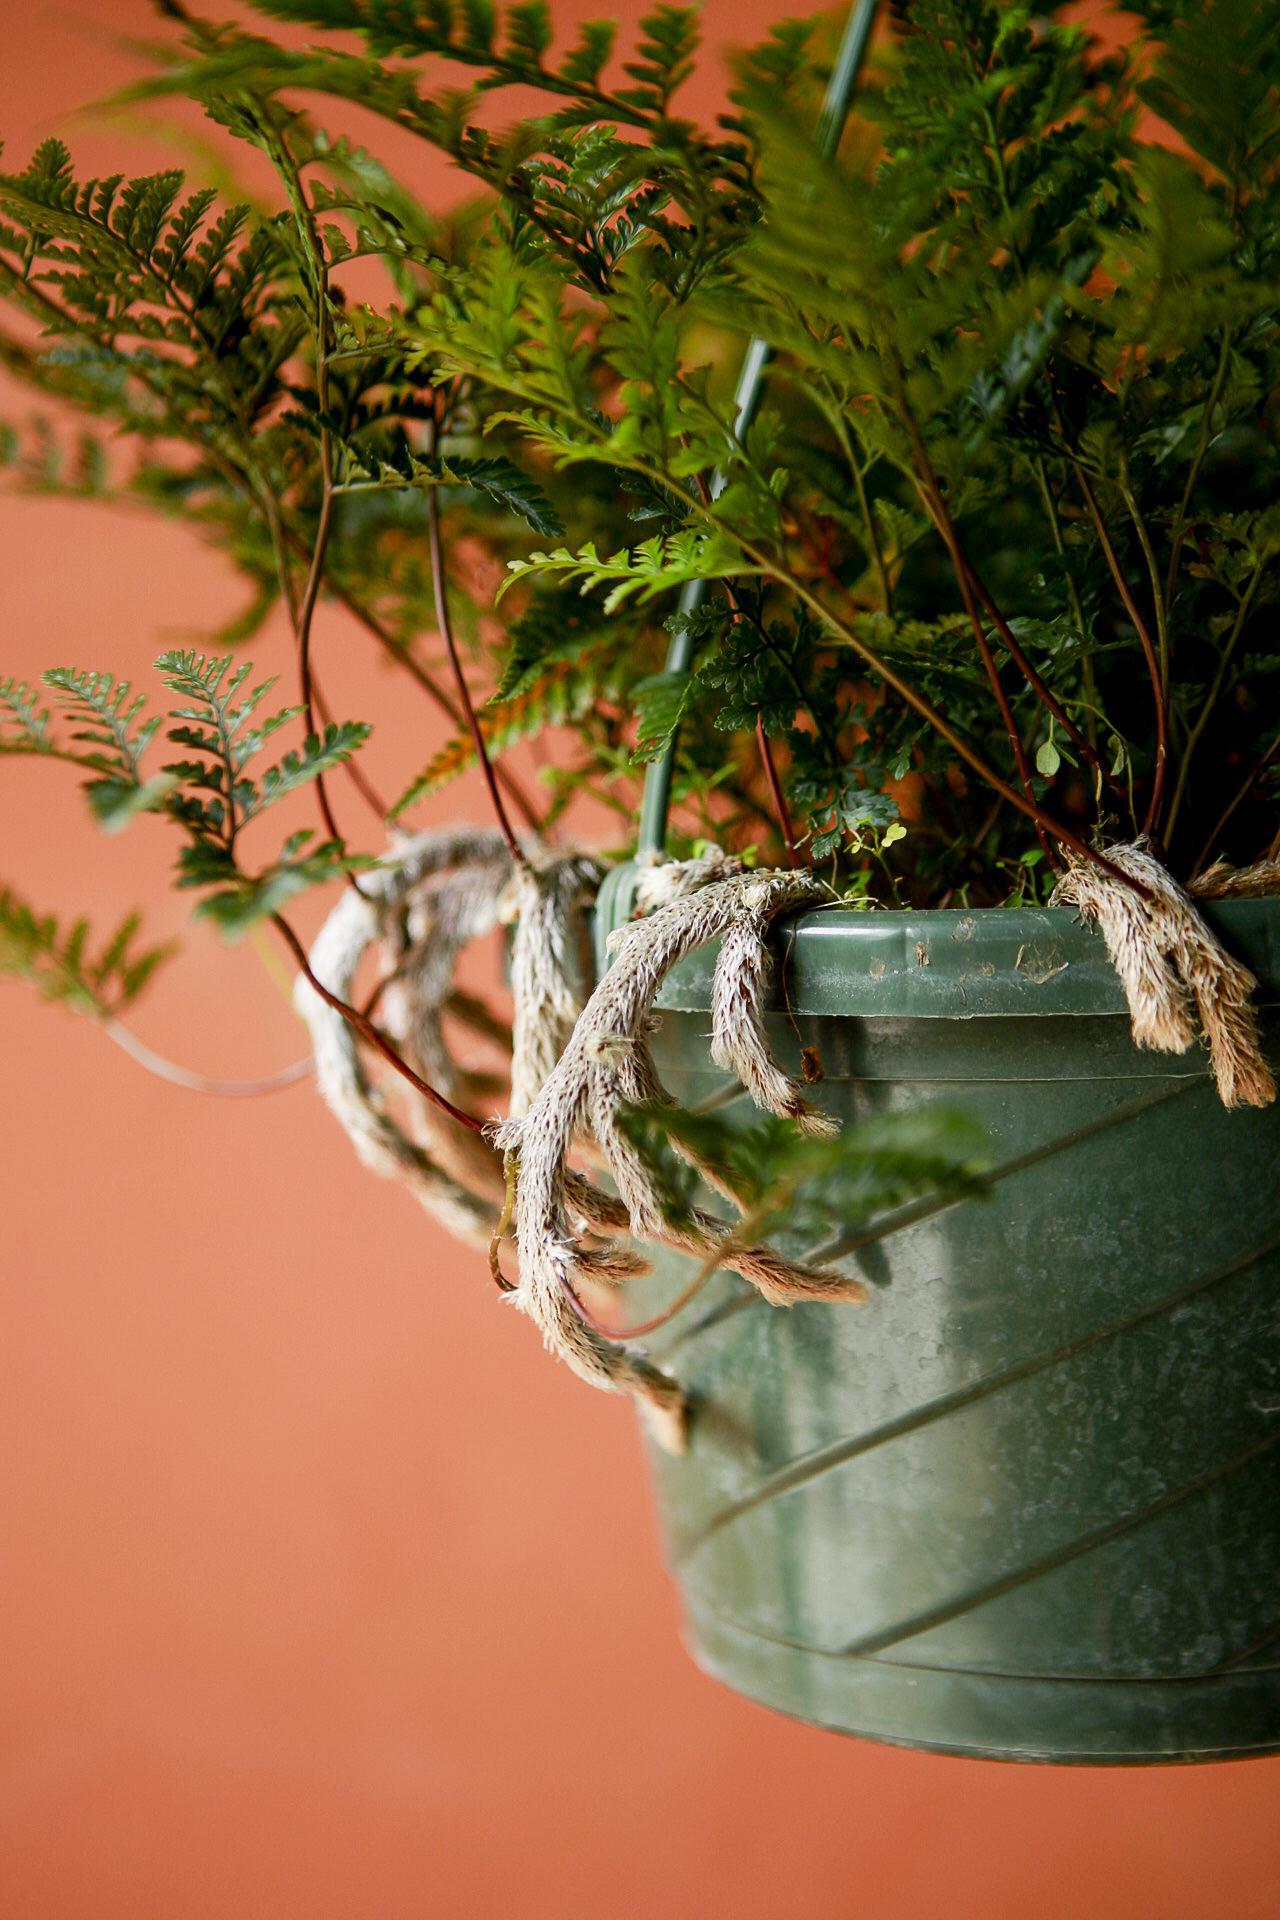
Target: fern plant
[[986, 580], [59, 962]]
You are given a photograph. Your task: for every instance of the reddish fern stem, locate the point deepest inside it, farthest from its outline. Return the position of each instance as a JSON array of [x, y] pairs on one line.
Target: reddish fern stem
[[430, 686], [1002, 701], [355, 773], [618, 1335], [315, 569], [939, 513], [776, 794], [444, 621], [1155, 805], [370, 1034]]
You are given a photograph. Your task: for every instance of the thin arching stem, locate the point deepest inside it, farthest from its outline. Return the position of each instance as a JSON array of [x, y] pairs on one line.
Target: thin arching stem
[[315, 573], [1210, 704], [278, 149], [1203, 439], [781, 813], [940, 514], [1153, 575], [444, 620], [919, 704], [288, 591], [776, 794], [424, 678], [359, 779], [1037, 684], [772, 568], [1241, 794], [645, 1327], [992, 672], [1073, 594], [924, 707], [512, 1179], [320, 545], [1155, 804], [371, 1034], [180, 1076], [936, 506]]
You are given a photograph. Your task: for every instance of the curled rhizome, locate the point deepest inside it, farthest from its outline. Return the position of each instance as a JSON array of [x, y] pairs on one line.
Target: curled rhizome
[[561, 1173]]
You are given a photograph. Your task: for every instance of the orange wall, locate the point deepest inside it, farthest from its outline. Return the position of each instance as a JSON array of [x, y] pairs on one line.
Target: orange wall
[[324, 1594]]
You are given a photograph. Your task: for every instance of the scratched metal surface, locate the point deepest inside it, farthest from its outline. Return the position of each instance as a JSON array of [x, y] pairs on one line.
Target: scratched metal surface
[[1026, 1502], [992, 961]]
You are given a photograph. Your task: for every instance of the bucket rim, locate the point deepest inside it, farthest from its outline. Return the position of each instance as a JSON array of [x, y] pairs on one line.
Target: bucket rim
[[956, 963]]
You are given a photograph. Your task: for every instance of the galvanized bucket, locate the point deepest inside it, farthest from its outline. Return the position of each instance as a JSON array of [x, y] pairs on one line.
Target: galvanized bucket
[[1026, 1503]]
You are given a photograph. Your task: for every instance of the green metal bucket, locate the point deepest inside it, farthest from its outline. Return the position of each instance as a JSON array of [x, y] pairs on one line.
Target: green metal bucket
[[1026, 1503]]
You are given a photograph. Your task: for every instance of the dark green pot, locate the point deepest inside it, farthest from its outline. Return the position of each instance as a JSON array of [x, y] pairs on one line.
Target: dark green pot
[[1025, 1504]]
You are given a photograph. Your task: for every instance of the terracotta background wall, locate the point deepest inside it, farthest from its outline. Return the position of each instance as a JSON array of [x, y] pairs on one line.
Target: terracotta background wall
[[323, 1594]]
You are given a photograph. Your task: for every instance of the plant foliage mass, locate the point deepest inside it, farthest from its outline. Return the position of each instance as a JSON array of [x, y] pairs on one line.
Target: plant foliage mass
[[990, 574]]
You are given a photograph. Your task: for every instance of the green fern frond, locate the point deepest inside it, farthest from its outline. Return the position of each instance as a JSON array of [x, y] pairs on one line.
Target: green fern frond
[[557, 689], [511, 47], [237, 901], [398, 464], [213, 724], [317, 755], [24, 723], [555, 627], [1216, 84], [811, 1186], [106, 716], [639, 573], [58, 962]]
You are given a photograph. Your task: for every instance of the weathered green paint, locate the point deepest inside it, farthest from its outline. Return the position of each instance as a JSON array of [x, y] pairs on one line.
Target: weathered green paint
[[1026, 1503]]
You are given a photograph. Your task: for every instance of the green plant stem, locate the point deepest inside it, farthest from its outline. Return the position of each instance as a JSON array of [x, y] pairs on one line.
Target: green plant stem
[[1241, 794], [936, 506], [444, 620], [1211, 699], [873, 537], [1151, 820], [783, 576], [1073, 595], [254, 486], [775, 792], [1203, 439], [1153, 575], [63, 754], [836, 420]]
